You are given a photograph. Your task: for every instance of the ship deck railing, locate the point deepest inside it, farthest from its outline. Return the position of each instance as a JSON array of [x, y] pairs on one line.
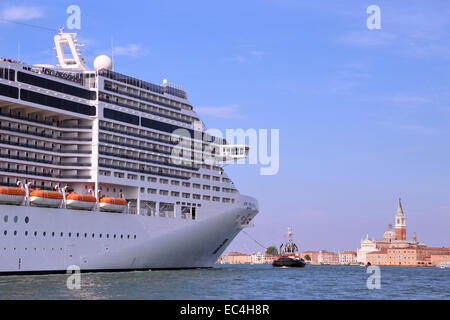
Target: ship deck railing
[[137, 135], [126, 105], [48, 123]]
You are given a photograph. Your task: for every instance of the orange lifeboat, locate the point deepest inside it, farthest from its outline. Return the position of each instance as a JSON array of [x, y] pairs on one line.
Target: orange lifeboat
[[80, 201], [43, 198], [111, 204], [11, 195]]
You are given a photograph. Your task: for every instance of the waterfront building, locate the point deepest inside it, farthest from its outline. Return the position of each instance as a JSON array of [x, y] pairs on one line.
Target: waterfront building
[[367, 246], [236, 258], [409, 256], [257, 258], [394, 249], [328, 257], [269, 258], [312, 255], [347, 257]]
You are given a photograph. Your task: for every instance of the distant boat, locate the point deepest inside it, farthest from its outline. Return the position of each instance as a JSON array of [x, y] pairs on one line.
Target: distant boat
[[443, 265], [289, 255]]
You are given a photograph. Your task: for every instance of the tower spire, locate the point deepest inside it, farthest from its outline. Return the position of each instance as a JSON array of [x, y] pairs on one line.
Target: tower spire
[[400, 222], [400, 208]]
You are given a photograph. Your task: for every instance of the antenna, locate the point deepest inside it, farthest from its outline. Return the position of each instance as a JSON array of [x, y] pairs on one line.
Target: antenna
[[112, 52], [18, 50]]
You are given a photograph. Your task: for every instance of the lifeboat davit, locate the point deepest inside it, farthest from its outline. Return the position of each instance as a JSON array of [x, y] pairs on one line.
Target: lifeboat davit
[[43, 198], [111, 204], [11, 195], [80, 201]]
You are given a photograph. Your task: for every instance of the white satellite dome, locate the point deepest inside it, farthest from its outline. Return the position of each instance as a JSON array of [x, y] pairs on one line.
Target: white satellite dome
[[103, 62]]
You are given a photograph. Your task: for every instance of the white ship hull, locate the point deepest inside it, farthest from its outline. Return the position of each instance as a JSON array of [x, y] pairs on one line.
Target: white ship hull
[[160, 243]]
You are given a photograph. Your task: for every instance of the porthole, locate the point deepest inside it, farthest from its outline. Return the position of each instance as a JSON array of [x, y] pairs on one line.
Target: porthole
[[78, 234], [100, 235], [107, 236], [62, 234], [44, 233], [53, 234], [121, 236], [35, 233], [115, 236], [15, 233], [135, 236], [128, 237], [16, 219], [85, 235], [70, 234], [27, 219], [26, 233], [5, 232], [5, 218], [93, 235]]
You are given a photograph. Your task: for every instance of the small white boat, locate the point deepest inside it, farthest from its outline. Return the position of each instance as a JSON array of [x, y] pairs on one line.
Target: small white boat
[[443, 265]]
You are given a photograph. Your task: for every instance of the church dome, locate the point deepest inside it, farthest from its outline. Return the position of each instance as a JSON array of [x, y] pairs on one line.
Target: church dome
[[389, 235]]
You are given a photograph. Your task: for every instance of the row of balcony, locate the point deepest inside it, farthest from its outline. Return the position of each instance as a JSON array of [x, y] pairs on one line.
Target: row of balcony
[[44, 122], [44, 135], [165, 163], [137, 96], [126, 105], [138, 135], [32, 159], [123, 144], [45, 174], [33, 146], [158, 173]]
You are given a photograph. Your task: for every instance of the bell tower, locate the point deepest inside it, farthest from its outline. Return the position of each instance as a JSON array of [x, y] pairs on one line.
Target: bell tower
[[400, 223]]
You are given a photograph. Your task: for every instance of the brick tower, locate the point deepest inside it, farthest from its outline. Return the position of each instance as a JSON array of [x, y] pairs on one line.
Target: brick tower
[[400, 223]]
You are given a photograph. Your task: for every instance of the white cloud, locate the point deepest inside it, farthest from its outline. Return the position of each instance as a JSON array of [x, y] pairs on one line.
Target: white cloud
[[367, 39], [415, 31], [406, 128], [225, 112], [409, 99], [239, 59], [132, 50], [257, 53], [21, 13]]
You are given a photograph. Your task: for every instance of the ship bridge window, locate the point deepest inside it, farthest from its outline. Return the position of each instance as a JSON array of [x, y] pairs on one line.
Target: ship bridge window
[[8, 91], [55, 86], [120, 116], [8, 74], [58, 103]]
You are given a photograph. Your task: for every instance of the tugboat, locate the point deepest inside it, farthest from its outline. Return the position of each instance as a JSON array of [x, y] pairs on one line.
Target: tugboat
[[289, 254]]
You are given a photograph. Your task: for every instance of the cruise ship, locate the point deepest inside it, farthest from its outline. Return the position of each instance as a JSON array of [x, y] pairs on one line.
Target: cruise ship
[[106, 172]]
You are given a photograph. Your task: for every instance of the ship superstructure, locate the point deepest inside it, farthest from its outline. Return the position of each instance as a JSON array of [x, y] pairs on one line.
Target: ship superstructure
[[110, 145]]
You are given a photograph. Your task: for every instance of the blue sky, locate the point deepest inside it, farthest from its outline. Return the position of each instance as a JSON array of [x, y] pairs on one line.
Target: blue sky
[[363, 114]]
